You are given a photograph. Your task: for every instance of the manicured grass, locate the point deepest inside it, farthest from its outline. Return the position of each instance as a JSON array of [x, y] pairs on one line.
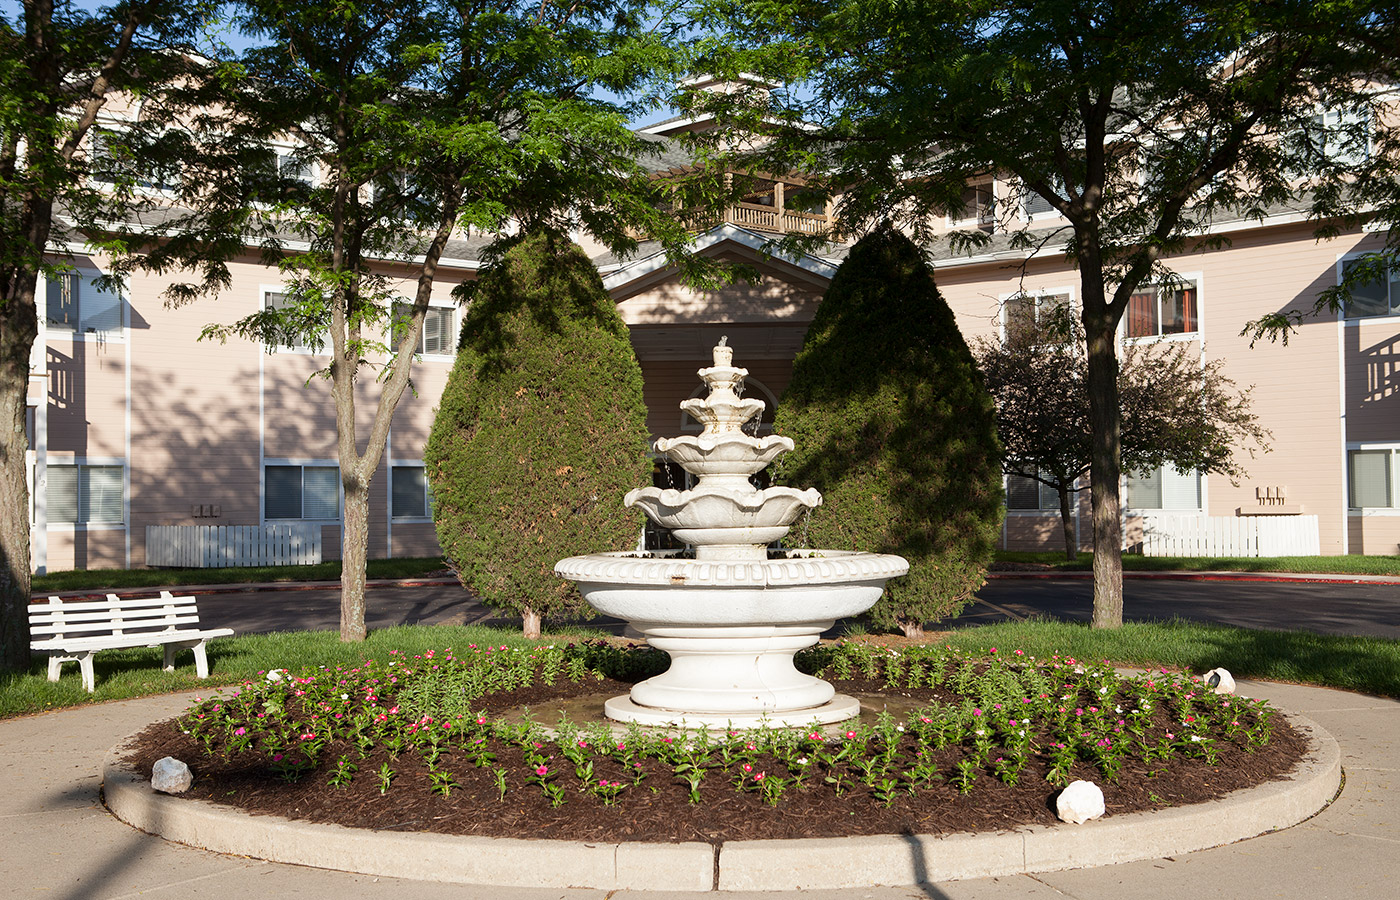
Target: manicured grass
[[1369, 665], [1366, 664], [112, 579], [123, 674], [1329, 565]]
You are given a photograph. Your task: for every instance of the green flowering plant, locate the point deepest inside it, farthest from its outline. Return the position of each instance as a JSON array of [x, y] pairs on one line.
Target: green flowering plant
[[437, 718]]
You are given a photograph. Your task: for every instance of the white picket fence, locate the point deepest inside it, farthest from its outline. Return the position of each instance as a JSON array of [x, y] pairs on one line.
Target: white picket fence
[[1229, 536], [209, 546]]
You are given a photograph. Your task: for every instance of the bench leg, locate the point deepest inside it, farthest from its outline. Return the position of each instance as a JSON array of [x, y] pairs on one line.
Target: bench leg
[[55, 664], [201, 660], [170, 651], [85, 666]]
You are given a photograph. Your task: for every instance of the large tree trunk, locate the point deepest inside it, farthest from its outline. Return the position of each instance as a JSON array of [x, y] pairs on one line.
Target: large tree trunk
[[1067, 526], [354, 553], [18, 329], [1105, 470], [912, 630]]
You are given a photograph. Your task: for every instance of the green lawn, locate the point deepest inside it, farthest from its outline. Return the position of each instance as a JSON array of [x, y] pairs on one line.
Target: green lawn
[[1334, 565], [1370, 665], [113, 579]]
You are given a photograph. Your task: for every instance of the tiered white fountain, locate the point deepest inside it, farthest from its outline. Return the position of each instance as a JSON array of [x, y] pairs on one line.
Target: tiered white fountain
[[733, 616]]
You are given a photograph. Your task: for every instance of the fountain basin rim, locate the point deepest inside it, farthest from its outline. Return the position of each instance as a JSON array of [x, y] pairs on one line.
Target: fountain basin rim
[[812, 567]]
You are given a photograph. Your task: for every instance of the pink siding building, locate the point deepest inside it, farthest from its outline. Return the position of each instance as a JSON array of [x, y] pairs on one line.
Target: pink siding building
[[136, 422]]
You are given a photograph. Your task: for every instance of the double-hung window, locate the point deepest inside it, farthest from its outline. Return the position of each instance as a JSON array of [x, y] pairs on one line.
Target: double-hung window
[[1377, 297], [978, 206], [85, 495], [1165, 488], [301, 492], [76, 305], [1024, 493], [295, 335], [438, 338], [1155, 310], [1332, 134], [1371, 476], [410, 494], [1027, 316]]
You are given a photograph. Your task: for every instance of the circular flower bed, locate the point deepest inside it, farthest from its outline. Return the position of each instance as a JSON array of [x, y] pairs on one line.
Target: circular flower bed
[[446, 742]]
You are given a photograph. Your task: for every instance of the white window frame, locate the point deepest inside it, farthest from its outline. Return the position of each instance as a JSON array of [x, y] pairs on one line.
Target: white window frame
[[1392, 290], [427, 489], [1183, 280], [1331, 120], [1028, 196], [1040, 295], [302, 464], [117, 128], [1202, 501], [81, 463], [82, 275], [1392, 471], [453, 325], [266, 292], [1043, 491], [978, 220]]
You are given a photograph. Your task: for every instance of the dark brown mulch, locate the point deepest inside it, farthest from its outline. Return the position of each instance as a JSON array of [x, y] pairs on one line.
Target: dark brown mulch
[[656, 809]]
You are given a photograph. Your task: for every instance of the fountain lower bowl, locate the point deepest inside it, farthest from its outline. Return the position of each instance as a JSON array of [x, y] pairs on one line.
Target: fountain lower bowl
[[731, 628], [810, 586]]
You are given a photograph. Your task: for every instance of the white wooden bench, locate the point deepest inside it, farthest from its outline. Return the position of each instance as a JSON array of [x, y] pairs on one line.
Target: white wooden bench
[[74, 631]]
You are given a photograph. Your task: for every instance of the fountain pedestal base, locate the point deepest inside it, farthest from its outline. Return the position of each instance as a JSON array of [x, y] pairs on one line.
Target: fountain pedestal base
[[838, 709], [739, 674]]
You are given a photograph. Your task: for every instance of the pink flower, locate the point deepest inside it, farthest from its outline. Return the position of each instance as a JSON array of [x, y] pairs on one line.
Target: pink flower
[[758, 777], [240, 731], [747, 767], [542, 770], [850, 735]]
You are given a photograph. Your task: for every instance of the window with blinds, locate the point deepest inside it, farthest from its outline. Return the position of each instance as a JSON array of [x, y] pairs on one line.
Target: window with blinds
[[1371, 474], [85, 495], [301, 492], [1165, 487], [1024, 493], [438, 338], [410, 495]]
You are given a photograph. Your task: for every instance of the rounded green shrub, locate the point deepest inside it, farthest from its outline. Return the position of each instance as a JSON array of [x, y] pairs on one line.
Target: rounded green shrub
[[540, 432], [894, 426]]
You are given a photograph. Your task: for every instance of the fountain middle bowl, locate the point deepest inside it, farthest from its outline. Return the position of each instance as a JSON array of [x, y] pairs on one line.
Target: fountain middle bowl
[[663, 588]]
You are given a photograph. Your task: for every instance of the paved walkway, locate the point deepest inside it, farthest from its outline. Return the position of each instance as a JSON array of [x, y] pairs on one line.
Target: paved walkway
[[57, 841]]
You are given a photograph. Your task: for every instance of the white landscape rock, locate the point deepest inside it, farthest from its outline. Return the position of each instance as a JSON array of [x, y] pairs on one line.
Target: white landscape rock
[[1220, 681], [1079, 802], [170, 776]]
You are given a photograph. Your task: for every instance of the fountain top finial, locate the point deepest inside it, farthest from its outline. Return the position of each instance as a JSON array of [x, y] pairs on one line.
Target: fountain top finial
[[723, 353]]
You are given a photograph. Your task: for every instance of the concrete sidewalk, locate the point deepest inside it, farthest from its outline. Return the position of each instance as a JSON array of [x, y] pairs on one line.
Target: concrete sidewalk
[[59, 841]]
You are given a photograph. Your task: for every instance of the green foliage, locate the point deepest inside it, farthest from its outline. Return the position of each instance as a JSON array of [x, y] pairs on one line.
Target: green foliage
[[893, 426], [541, 431]]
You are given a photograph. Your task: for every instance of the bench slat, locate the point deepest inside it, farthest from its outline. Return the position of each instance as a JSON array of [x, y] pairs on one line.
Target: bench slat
[[144, 615], [113, 642], [90, 628], [112, 602]]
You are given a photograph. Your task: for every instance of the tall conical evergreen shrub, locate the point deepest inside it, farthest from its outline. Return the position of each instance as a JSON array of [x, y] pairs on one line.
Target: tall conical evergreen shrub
[[893, 425], [540, 432]]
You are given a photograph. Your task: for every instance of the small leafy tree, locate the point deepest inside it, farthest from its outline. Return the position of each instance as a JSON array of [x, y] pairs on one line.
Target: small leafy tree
[[893, 426], [1174, 408], [422, 118], [541, 431]]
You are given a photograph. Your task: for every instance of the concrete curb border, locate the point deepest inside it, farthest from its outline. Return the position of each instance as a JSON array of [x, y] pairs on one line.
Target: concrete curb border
[[779, 865]]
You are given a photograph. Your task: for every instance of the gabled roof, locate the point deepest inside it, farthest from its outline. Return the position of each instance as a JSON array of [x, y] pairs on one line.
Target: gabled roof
[[618, 275]]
